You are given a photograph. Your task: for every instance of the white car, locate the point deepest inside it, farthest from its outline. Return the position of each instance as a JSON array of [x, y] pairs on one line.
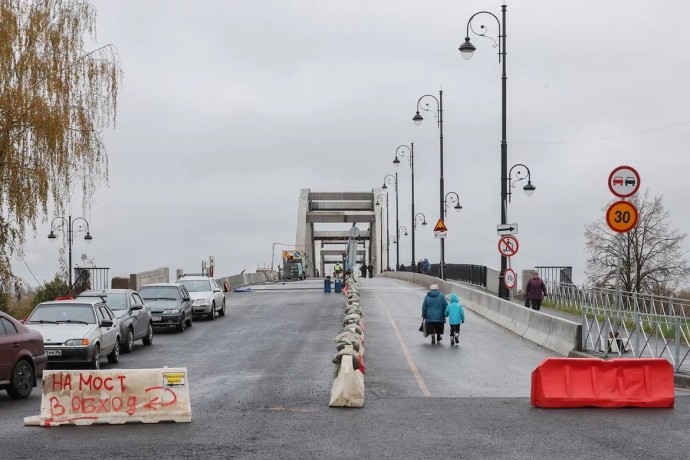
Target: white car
[[77, 330], [207, 296]]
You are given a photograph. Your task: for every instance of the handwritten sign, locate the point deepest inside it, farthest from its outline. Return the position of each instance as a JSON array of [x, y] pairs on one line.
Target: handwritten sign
[[113, 396]]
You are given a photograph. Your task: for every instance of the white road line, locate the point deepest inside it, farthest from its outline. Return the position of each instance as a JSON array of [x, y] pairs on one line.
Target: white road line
[[406, 351]]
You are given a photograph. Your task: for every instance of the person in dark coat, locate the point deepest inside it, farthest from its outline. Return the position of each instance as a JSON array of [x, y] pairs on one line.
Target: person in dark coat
[[363, 270], [371, 271], [535, 291], [434, 313]]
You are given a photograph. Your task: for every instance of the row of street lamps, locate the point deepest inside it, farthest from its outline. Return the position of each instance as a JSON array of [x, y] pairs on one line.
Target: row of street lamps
[[522, 172]]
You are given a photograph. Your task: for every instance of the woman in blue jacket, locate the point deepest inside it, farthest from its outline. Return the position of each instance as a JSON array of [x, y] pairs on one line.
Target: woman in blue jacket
[[433, 313], [456, 316]]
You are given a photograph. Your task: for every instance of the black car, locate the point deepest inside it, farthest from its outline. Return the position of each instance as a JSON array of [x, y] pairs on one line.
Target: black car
[[170, 304], [134, 315]]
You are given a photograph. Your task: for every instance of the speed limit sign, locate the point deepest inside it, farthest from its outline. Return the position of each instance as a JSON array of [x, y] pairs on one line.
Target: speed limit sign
[[509, 278], [622, 216]]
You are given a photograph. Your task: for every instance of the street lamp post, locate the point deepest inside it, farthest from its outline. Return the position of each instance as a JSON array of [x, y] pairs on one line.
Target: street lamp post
[[421, 218], [467, 49], [418, 121], [386, 179], [388, 265], [396, 162], [450, 198], [70, 236], [381, 195]]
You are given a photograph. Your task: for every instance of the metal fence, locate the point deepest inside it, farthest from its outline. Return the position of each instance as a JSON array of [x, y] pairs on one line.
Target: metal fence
[[467, 273], [631, 324]]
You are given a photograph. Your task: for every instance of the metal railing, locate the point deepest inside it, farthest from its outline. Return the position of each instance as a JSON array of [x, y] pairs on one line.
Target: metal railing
[[644, 325]]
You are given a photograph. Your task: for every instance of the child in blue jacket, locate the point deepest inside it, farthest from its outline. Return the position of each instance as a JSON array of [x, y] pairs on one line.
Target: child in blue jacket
[[456, 316]]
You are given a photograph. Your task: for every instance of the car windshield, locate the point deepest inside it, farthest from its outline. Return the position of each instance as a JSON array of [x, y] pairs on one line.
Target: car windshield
[[159, 293], [115, 300], [63, 312], [196, 285]]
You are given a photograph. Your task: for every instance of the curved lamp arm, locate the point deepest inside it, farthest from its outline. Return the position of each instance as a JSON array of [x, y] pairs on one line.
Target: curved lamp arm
[[467, 49], [418, 118], [402, 154], [451, 197], [389, 177], [521, 173]]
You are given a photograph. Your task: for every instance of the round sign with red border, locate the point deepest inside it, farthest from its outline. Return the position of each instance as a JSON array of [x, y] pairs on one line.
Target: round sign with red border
[[622, 216], [509, 278], [508, 245], [624, 181]]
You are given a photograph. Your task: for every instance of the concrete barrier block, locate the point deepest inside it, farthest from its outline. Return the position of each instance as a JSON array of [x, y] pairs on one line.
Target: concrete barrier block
[[539, 328], [520, 322], [113, 396]]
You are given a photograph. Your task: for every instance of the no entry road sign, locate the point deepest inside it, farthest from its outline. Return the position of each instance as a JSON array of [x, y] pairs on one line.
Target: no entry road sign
[[508, 245]]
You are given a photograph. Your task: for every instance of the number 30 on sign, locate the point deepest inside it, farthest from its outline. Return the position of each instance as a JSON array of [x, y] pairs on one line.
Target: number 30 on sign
[[622, 216]]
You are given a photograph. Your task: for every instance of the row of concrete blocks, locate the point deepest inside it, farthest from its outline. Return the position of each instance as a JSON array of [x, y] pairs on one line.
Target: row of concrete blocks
[[557, 334], [348, 378]]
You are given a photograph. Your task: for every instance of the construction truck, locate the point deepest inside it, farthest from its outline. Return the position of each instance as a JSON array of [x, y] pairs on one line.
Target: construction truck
[[293, 266]]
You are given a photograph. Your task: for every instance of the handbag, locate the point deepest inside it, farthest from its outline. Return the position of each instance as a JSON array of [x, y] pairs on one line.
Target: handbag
[[422, 328]]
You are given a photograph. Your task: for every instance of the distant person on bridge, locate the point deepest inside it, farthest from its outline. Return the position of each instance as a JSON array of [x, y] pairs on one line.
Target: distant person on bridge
[[371, 270], [456, 317], [425, 266], [535, 291], [434, 313], [419, 266], [336, 270], [363, 270]]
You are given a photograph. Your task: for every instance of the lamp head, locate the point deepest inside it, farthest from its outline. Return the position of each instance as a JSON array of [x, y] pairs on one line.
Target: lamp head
[[457, 207], [52, 237], [396, 162], [529, 188], [384, 186], [467, 49], [88, 238], [424, 223], [417, 119]]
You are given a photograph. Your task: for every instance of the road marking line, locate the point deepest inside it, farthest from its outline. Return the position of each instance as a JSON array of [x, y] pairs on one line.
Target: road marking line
[[406, 351]]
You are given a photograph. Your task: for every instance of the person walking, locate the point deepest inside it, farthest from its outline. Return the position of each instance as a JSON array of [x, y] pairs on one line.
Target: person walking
[[425, 266], [419, 266], [535, 291], [371, 270], [433, 313], [336, 270], [363, 270], [456, 317]]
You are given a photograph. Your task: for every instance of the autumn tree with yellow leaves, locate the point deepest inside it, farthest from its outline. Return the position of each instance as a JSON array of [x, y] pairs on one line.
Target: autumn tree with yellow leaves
[[57, 96]]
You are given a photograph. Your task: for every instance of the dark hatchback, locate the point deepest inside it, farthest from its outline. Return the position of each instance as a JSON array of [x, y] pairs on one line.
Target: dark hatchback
[[22, 357], [170, 305]]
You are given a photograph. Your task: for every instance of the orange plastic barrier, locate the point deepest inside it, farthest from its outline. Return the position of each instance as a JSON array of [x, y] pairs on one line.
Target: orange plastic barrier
[[594, 382]]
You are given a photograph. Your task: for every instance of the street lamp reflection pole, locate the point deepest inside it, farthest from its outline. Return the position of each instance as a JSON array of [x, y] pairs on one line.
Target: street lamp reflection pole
[[388, 265], [60, 227], [403, 151], [467, 49], [418, 121], [387, 179]]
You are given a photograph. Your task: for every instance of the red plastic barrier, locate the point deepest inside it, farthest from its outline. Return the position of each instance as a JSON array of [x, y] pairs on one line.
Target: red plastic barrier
[[594, 382]]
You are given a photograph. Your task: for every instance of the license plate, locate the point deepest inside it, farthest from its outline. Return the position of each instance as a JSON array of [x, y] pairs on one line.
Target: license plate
[[155, 318], [54, 352]]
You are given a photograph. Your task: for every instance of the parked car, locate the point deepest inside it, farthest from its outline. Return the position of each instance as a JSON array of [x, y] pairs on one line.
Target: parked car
[[207, 296], [170, 304], [77, 331], [132, 312], [22, 357]]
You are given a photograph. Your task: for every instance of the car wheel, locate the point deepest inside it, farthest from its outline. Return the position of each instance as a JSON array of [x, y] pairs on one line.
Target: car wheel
[[114, 355], [21, 381], [222, 310], [212, 314], [190, 321], [182, 325], [128, 344], [96, 360], [148, 339]]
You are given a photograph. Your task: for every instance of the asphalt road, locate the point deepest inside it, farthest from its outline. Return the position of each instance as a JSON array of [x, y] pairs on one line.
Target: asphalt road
[[260, 381]]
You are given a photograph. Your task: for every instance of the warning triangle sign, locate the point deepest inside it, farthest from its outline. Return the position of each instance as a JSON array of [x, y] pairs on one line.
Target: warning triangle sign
[[440, 226]]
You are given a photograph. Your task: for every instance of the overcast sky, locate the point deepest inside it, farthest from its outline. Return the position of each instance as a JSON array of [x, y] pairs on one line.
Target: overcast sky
[[229, 108]]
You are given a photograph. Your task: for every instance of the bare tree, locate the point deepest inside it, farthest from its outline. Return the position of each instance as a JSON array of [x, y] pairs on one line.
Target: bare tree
[[651, 257], [56, 98]]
